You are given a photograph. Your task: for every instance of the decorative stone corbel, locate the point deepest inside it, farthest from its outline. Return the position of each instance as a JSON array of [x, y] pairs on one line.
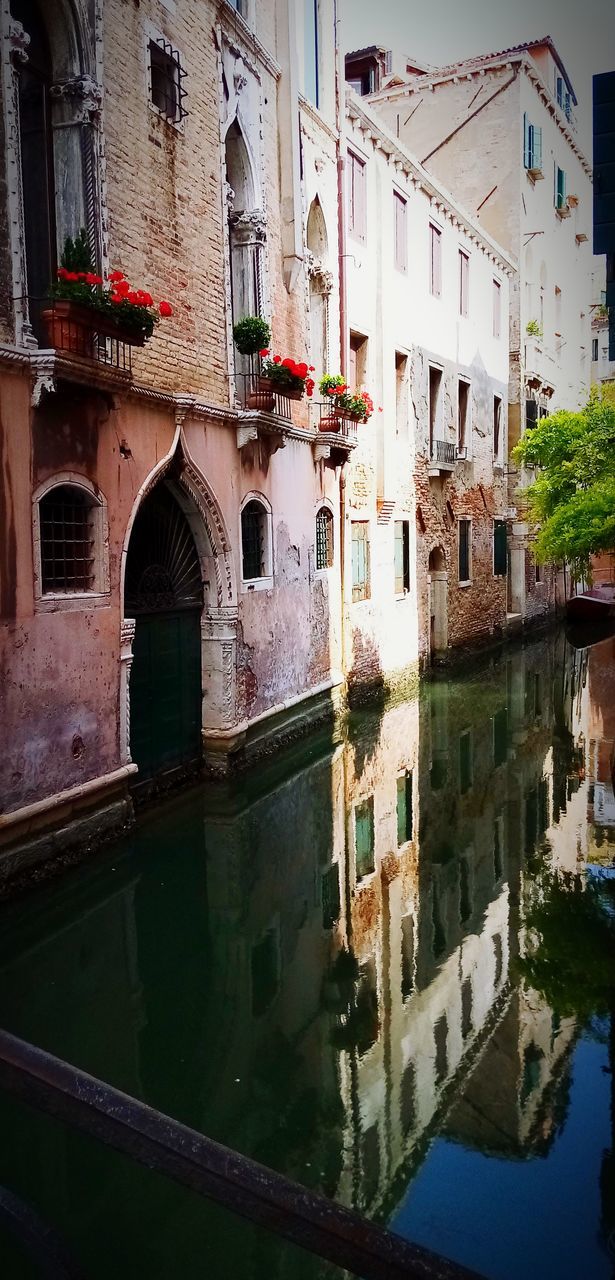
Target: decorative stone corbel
[[84, 93], [18, 41], [321, 450], [246, 433]]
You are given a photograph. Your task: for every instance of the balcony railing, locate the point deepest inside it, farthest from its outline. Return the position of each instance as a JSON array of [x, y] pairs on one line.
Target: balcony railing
[[252, 393], [443, 453], [77, 336], [326, 418]]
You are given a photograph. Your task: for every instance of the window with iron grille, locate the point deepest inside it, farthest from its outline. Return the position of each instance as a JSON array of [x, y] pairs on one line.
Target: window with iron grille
[[253, 540], [464, 550], [166, 76], [360, 560], [324, 539], [364, 837], [67, 536]]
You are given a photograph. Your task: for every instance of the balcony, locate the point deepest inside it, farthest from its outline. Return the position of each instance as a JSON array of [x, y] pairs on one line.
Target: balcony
[[337, 434], [541, 366], [442, 457], [76, 346]]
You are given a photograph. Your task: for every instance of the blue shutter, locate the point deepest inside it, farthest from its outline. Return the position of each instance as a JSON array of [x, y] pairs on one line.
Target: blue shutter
[[527, 150]]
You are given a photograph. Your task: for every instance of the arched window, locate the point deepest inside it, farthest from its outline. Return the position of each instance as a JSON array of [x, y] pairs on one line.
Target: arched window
[[70, 537], [256, 541], [324, 538]]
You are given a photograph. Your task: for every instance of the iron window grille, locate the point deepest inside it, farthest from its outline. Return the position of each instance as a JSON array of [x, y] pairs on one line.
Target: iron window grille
[[67, 541], [324, 539], [253, 540], [166, 76]]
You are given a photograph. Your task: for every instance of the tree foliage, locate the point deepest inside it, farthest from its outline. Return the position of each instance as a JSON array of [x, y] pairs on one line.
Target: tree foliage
[[572, 498]]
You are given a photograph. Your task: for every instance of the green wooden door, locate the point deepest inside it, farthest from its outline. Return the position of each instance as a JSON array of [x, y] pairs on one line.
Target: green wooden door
[[165, 692]]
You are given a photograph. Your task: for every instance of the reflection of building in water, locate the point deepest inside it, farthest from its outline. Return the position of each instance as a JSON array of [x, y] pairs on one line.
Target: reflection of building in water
[[322, 974], [601, 751]]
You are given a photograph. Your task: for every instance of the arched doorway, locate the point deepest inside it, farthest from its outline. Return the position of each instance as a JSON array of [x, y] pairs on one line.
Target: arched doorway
[[438, 602], [163, 592]]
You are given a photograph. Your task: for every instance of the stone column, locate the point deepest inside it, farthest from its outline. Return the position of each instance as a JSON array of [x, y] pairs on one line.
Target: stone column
[[518, 548], [127, 635]]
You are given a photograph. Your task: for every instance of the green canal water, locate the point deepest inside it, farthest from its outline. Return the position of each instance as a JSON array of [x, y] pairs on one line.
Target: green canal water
[[383, 964]]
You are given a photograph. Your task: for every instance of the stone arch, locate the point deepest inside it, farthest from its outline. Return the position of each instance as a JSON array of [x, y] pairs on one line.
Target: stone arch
[[316, 233], [240, 168], [320, 284]]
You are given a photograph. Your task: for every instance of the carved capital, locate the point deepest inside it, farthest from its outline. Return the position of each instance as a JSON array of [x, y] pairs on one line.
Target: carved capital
[[18, 42], [249, 226], [83, 91]]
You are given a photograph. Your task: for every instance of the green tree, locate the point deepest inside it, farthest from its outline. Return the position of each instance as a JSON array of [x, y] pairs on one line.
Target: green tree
[[572, 498]]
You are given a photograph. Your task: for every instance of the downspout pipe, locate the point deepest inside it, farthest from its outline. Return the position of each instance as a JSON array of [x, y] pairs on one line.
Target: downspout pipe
[[341, 243]]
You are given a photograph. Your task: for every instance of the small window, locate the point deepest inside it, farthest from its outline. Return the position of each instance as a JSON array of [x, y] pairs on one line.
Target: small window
[[330, 885], [404, 808], [464, 539], [532, 146], [497, 309], [531, 414], [464, 283], [311, 87], [499, 549], [594, 348], [402, 557], [435, 261], [463, 415], [360, 560], [364, 837], [67, 518], [254, 541], [324, 539], [357, 209], [166, 76], [400, 215], [357, 371], [497, 425]]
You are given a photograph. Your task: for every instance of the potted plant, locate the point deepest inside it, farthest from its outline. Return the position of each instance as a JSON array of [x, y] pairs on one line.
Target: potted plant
[[356, 405], [251, 334], [291, 378], [533, 329], [84, 303]]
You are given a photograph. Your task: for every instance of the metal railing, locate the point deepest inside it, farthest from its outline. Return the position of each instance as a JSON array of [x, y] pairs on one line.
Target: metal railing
[[77, 335], [325, 417], [443, 451], [253, 393], [291, 1211]]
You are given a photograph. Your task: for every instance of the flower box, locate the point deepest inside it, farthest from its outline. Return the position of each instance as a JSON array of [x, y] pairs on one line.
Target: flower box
[[261, 396]]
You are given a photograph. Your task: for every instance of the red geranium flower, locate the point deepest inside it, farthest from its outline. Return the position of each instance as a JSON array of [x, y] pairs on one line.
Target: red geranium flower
[[301, 370], [116, 276], [277, 359], [287, 363], [264, 352], [312, 368], [122, 287], [165, 309]]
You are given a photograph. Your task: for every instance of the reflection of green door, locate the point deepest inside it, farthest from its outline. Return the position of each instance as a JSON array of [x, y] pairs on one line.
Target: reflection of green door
[[164, 594], [165, 692]]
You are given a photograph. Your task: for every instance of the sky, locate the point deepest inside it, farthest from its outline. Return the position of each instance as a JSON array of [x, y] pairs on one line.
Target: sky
[[442, 31]]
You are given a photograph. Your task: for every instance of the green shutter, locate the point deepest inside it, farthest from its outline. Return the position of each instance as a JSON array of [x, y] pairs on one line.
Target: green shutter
[[364, 837], [499, 548], [527, 150]]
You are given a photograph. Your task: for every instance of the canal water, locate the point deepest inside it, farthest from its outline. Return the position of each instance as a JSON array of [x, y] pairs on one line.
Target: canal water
[[382, 964]]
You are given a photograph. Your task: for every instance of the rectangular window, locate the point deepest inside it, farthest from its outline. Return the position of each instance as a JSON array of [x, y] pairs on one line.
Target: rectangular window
[[310, 51], [364, 837], [560, 188], [435, 389], [402, 557], [531, 413], [594, 348], [435, 261], [360, 560], [497, 425], [499, 548], [401, 394], [357, 209], [465, 761], [400, 218], [464, 283], [330, 893], [463, 535], [324, 539], [404, 808], [463, 415], [357, 367], [166, 75], [532, 146], [497, 308]]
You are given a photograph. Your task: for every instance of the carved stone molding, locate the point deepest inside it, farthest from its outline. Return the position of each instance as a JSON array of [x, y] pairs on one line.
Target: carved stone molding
[[246, 433], [18, 40], [249, 225], [84, 92]]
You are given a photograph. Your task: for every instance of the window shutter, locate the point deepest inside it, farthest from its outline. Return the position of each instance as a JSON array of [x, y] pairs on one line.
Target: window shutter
[[399, 557], [499, 548], [406, 555], [527, 128], [536, 147]]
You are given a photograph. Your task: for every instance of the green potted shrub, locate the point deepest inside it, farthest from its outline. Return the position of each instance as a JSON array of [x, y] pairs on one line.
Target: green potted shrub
[[251, 335], [356, 405]]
